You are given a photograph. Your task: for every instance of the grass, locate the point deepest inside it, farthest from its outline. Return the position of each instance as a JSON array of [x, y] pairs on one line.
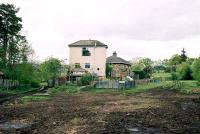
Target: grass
[[186, 87], [138, 89], [145, 87], [161, 74], [190, 87], [19, 90], [33, 98], [65, 88]]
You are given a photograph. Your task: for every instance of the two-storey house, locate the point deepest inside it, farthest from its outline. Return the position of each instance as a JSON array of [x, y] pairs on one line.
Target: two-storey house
[[89, 55]]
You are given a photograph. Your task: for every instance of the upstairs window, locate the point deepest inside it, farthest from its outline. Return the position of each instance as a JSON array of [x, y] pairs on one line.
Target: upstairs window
[[85, 52], [77, 65], [87, 65]]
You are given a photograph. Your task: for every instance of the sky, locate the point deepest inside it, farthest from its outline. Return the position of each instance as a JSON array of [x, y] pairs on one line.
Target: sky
[[156, 29]]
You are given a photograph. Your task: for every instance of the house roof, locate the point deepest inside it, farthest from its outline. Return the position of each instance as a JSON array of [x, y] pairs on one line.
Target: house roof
[[116, 60], [88, 43]]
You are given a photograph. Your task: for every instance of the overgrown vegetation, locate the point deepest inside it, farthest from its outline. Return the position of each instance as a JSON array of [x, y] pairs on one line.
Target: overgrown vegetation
[[33, 98], [196, 70], [86, 79], [70, 88], [14, 48]]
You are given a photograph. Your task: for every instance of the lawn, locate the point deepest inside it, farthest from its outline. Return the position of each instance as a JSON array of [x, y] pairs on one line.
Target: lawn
[[190, 87], [33, 98], [165, 76], [19, 90]]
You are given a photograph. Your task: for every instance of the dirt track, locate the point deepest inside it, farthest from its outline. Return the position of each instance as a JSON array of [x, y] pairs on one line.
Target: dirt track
[[157, 111]]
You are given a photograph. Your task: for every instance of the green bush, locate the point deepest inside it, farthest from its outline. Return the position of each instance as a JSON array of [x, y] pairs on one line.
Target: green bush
[[71, 88], [86, 79], [184, 71], [196, 69], [174, 76]]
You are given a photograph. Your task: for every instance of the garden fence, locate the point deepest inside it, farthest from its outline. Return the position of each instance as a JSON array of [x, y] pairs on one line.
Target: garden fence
[[6, 83], [114, 84]]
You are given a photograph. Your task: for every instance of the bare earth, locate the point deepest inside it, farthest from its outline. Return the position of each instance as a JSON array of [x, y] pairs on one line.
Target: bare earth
[[156, 111]]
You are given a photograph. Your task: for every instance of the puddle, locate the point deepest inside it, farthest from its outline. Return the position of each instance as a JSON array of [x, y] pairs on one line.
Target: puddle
[[134, 129], [20, 124], [143, 130], [188, 105]]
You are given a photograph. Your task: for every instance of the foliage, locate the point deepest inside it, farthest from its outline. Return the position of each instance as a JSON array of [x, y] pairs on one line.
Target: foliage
[[109, 69], [50, 68], [143, 68], [175, 61], [196, 70], [174, 76], [18, 90], [70, 88], [14, 48], [184, 71], [33, 98], [161, 76], [86, 79], [183, 55], [190, 87], [25, 73]]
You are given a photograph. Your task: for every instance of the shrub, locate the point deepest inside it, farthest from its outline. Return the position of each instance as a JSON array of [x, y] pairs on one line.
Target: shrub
[[196, 69], [184, 71], [174, 76], [86, 79]]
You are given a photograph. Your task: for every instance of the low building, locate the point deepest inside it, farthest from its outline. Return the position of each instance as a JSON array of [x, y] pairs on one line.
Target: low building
[[120, 67]]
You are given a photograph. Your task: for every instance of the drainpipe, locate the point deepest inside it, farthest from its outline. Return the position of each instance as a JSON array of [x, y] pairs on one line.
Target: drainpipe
[[94, 66]]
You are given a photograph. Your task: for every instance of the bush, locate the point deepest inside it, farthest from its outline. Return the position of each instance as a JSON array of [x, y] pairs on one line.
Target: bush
[[174, 76], [86, 79], [184, 71], [196, 69]]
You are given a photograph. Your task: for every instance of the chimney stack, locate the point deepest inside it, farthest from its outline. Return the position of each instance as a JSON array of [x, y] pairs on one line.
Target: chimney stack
[[115, 53]]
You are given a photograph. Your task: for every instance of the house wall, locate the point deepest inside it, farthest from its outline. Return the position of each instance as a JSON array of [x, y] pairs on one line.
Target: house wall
[[97, 59]]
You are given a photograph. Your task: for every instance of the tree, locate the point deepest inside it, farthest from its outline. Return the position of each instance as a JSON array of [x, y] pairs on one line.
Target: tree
[[147, 66], [143, 68], [86, 79], [184, 71], [50, 68], [137, 69], [10, 27], [183, 55], [196, 69], [109, 69]]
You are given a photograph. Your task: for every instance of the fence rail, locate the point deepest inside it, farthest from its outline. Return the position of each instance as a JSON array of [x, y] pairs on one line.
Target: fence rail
[[6, 83]]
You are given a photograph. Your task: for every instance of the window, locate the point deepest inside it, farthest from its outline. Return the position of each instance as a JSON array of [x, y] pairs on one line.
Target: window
[[85, 52], [87, 65], [77, 65]]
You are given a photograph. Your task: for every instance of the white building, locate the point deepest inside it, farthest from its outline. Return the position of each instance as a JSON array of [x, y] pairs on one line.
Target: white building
[[89, 55]]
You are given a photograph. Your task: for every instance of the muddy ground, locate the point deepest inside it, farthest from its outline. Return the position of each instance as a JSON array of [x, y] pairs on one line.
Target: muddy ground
[[156, 111]]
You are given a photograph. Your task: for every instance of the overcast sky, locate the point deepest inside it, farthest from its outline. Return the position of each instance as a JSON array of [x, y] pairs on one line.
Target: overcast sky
[[134, 28]]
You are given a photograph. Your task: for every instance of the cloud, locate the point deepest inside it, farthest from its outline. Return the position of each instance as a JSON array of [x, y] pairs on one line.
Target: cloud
[[147, 28]]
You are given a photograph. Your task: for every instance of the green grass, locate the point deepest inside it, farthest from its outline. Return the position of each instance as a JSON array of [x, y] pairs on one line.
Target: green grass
[[19, 90], [33, 98], [161, 74], [190, 87], [138, 89], [150, 86], [65, 88]]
